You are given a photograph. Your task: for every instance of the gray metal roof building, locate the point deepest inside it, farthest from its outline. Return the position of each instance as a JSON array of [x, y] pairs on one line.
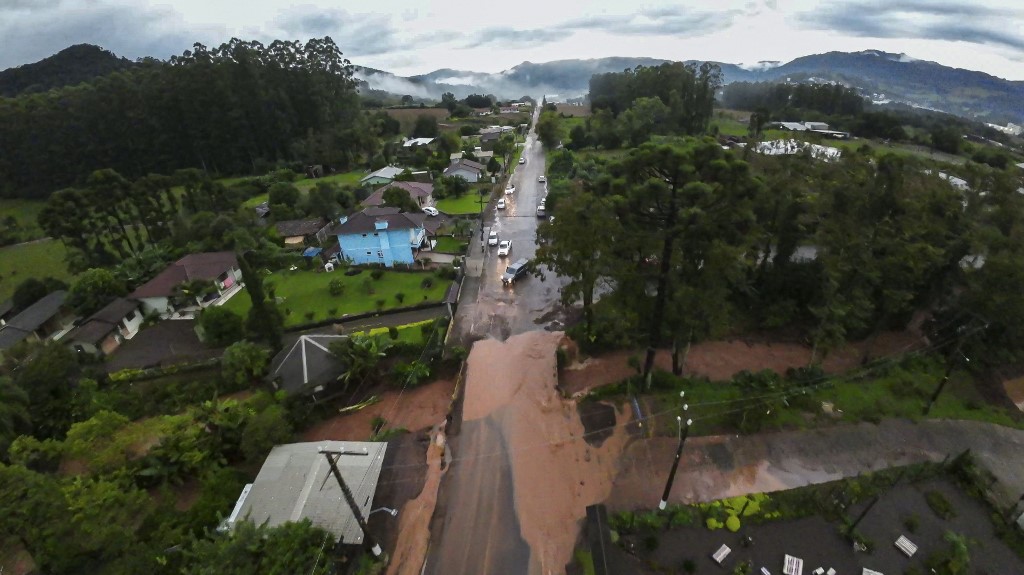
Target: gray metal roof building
[[288, 487]]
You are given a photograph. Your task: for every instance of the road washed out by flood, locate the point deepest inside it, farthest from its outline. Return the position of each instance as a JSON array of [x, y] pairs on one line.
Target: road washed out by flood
[[555, 473]]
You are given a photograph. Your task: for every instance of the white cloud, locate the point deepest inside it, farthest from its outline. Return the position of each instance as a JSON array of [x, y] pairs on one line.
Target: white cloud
[[409, 37]]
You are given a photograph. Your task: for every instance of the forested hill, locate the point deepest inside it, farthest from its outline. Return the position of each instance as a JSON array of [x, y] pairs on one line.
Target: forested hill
[[229, 109], [72, 65]]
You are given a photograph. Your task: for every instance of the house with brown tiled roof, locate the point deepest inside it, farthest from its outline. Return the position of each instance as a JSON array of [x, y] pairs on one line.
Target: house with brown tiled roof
[[422, 194], [466, 169], [383, 236], [104, 331], [162, 295], [297, 233]]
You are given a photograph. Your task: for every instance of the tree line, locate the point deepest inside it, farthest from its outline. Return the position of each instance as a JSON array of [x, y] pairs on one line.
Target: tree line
[[236, 108], [780, 99], [694, 243]]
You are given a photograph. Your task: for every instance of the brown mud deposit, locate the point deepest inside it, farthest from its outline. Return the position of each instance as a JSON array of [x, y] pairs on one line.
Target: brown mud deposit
[[1015, 391], [418, 408], [556, 474], [414, 516], [720, 360]]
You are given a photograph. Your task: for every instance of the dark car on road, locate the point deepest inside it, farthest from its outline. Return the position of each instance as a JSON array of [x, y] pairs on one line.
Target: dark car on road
[[514, 271]]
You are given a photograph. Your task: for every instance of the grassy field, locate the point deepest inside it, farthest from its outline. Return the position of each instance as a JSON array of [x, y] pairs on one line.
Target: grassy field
[[408, 333], [450, 245], [33, 260], [571, 110], [343, 179], [407, 116], [467, 204], [26, 212], [306, 292], [899, 392]]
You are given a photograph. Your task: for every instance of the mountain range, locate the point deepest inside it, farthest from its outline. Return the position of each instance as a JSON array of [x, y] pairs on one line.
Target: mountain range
[[882, 76]]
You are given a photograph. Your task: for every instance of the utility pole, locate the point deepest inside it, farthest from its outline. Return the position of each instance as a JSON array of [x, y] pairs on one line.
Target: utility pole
[[683, 433], [333, 462], [950, 364]]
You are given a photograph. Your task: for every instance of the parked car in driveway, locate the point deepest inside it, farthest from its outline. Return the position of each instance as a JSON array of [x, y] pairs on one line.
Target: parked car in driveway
[[504, 248], [492, 238], [430, 211], [501, 203]]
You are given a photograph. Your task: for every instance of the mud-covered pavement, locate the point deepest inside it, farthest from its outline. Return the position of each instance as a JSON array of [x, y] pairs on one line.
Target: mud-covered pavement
[[726, 466], [522, 473]]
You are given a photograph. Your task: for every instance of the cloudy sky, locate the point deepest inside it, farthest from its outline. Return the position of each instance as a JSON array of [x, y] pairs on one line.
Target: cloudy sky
[[417, 36]]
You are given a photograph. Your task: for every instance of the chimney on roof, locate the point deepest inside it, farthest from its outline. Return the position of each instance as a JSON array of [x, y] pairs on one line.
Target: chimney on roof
[[380, 225]]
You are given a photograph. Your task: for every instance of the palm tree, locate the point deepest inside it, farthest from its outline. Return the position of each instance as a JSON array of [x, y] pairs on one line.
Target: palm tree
[[13, 411]]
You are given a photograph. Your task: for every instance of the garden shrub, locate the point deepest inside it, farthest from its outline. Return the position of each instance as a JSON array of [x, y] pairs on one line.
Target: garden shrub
[[911, 523], [427, 283], [399, 297], [939, 505], [376, 274], [732, 523], [393, 332], [336, 287], [368, 288]]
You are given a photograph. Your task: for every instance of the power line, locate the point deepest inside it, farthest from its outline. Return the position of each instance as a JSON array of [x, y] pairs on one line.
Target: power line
[[824, 381]]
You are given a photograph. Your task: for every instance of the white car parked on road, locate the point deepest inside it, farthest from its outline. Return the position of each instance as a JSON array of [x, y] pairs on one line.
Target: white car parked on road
[[492, 238], [510, 189], [504, 248], [501, 203]]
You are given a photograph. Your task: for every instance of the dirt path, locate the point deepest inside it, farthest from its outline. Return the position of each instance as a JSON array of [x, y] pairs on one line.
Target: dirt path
[[719, 360], [414, 517], [418, 408]]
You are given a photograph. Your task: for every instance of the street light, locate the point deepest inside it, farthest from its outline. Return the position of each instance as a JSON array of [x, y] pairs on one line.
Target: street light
[[683, 433], [392, 512]]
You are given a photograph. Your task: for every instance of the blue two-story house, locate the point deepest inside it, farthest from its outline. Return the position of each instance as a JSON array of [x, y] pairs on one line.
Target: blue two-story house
[[380, 236]]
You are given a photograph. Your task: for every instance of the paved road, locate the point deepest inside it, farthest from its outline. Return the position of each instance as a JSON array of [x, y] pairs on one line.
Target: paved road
[[475, 528], [531, 303], [726, 466]]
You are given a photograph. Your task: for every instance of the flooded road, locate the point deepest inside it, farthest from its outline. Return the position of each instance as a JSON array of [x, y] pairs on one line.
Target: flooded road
[[522, 473], [490, 309]]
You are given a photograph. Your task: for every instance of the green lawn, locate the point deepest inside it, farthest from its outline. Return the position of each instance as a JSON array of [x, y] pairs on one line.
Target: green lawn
[[305, 292], [255, 201], [450, 245], [408, 333], [344, 179], [467, 204], [38, 259], [26, 212], [730, 127]]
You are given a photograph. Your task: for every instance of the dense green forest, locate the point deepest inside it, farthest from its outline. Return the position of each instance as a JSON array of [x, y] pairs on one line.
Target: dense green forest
[[70, 66], [697, 243], [236, 108]]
